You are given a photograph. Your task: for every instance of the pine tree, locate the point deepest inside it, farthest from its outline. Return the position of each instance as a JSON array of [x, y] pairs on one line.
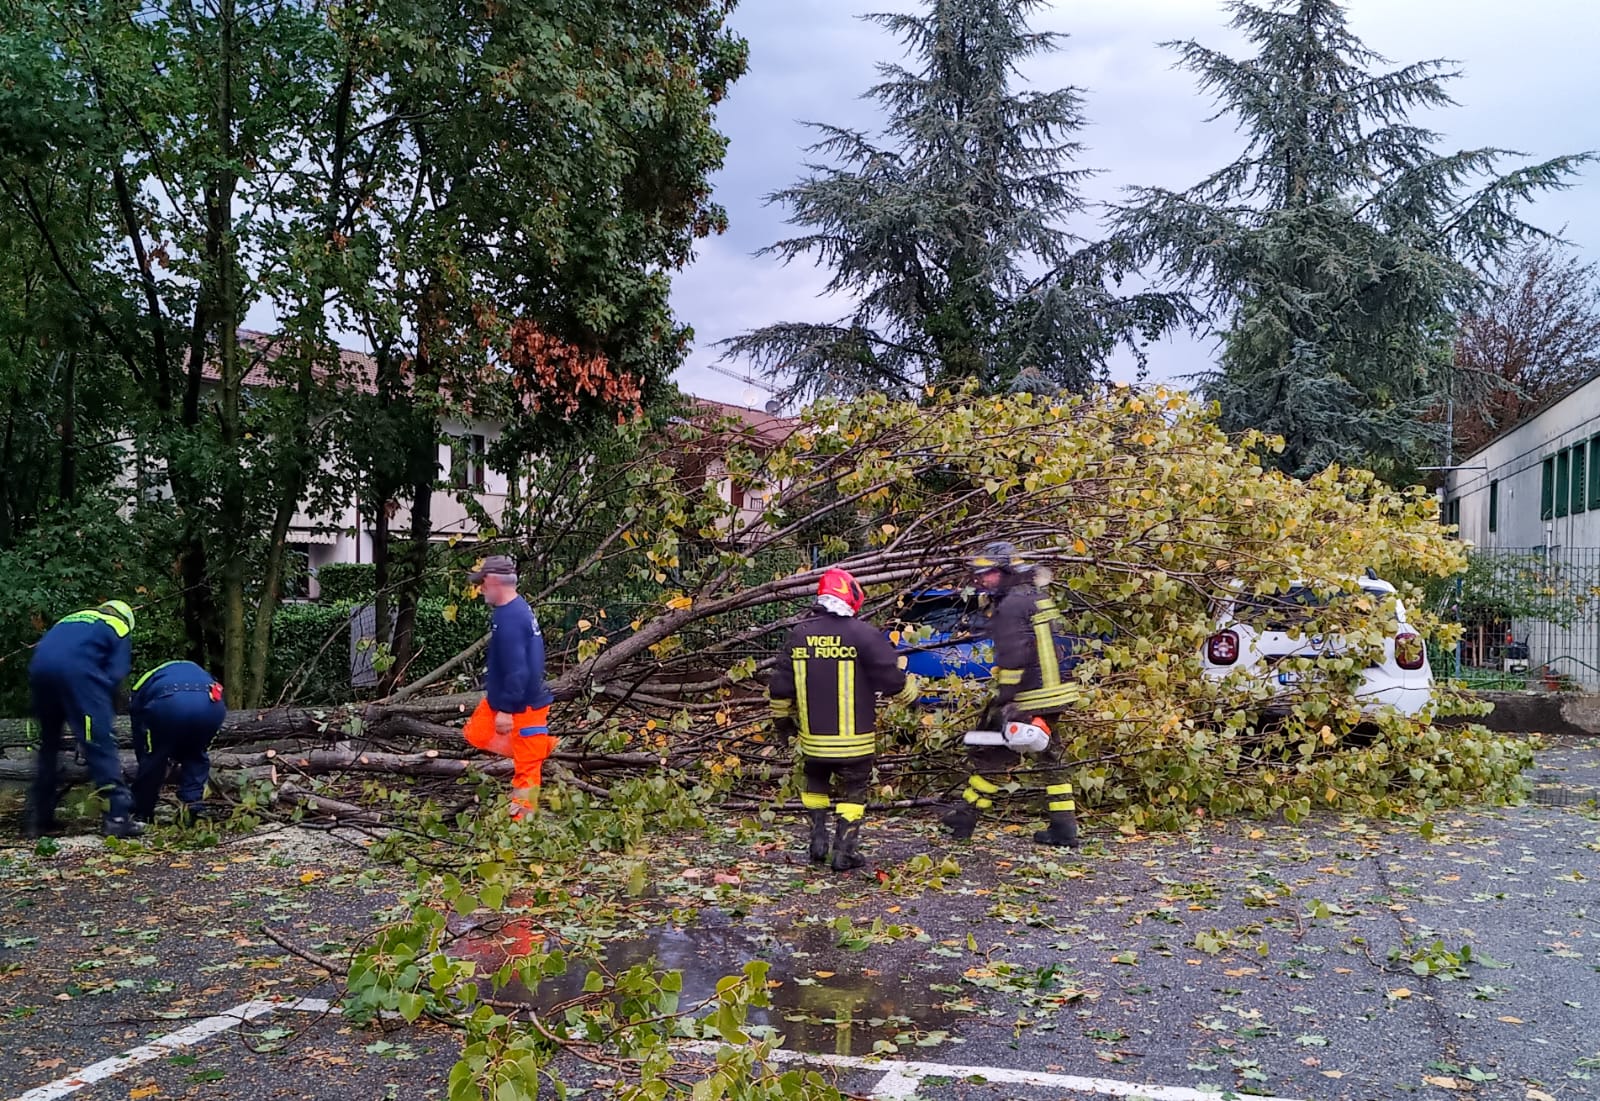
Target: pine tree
[[1340, 248], [947, 232]]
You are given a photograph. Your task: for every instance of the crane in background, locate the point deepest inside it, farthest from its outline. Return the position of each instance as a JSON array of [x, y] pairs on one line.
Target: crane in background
[[753, 389]]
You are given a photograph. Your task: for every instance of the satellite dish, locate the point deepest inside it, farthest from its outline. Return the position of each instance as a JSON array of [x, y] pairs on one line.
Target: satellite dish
[[773, 405], [750, 395]]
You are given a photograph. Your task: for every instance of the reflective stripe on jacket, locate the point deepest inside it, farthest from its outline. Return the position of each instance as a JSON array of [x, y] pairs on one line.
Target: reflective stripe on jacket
[[828, 678], [1028, 641]]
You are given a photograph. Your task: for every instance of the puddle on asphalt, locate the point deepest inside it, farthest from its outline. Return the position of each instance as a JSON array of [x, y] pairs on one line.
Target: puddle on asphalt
[[1558, 791], [844, 1013]]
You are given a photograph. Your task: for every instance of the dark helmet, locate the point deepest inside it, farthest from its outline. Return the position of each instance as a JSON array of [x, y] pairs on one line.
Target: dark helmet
[[1000, 556]]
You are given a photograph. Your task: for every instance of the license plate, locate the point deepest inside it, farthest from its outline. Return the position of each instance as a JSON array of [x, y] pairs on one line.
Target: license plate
[[1288, 678]]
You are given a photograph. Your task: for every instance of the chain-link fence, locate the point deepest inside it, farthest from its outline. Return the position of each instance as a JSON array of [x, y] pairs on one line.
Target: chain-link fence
[[1531, 617]]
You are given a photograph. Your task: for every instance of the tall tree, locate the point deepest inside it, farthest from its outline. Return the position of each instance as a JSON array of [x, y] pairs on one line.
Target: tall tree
[[948, 231], [553, 170], [1532, 339], [1339, 249]]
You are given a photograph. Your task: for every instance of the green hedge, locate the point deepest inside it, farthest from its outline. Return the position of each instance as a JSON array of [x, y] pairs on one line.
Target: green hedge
[[346, 581], [299, 632]]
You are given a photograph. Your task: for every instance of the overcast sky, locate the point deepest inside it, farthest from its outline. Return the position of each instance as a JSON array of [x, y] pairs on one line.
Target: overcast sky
[[1529, 83]]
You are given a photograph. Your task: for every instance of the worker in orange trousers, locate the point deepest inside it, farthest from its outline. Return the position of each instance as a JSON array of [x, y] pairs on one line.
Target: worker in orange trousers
[[513, 720]]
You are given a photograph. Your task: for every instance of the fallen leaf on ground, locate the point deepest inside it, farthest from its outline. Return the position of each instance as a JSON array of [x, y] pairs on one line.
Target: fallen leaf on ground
[[1400, 992], [1444, 1082]]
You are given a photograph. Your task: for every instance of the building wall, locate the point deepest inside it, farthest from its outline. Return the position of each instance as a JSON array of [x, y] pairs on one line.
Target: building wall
[[343, 536], [1517, 487], [1514, 476]]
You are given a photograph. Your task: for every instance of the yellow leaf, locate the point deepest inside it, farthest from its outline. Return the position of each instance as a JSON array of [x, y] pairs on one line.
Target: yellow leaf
[[1511, 1020], [1400, 992], [823, 974], [584, 624], [450, 613], [678, 603], [143, 1092], [310, 877], [1080, 547], [1444, 1082]]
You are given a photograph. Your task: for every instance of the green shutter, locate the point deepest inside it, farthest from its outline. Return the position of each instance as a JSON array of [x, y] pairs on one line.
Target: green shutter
[[1547, 489], [1580, 496], [1594, 473], [1563, 482], [1494, 506]]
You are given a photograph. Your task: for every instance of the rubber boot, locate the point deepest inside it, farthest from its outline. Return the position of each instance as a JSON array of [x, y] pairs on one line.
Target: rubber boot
[[1062, 832], [35, 827], [820, 840], [39, 821], [123, 826], [846, 841], [961, 821]]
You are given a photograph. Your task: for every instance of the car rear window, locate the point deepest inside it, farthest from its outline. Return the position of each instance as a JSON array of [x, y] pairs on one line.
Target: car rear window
[[1284, 611]]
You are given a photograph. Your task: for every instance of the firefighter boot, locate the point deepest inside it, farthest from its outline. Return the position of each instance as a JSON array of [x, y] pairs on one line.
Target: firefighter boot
[[820, 840], [846, 842], [1062, 832]]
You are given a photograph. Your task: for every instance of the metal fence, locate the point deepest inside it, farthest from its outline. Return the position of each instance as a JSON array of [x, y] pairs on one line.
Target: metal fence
[[1531, 617]]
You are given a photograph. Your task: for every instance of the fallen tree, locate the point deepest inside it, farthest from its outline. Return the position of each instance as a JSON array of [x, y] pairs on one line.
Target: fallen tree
[[1140, 509]]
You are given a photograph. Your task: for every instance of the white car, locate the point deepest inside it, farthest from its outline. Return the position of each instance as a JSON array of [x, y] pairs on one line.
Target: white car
[[1256, 634]]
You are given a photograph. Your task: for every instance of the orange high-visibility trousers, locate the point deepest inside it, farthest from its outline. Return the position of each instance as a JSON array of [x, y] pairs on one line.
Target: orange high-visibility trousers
[[527, 751]]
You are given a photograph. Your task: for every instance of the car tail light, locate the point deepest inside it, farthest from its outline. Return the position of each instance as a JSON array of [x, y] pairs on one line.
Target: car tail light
[[1409, 652], [1222, 648]]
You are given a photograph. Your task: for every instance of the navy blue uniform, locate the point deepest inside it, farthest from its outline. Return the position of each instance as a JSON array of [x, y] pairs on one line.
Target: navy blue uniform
[[73, 679], [176, 709]]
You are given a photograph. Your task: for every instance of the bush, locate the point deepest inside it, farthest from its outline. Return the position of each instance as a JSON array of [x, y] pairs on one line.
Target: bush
[[310, 661], [75, 559], [346, 581]]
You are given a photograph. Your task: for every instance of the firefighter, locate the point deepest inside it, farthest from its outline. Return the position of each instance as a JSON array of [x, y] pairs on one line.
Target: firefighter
[[176, 710], [73, 678], [824, 688], [513, 719], [1027, 630]]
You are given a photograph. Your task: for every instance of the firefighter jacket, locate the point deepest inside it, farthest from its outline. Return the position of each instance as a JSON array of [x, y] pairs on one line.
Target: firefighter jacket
[[827, 679], [1029, 645]]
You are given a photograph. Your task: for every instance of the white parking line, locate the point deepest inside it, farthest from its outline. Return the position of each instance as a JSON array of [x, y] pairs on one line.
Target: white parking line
[[187, 1036], [900, 1081]]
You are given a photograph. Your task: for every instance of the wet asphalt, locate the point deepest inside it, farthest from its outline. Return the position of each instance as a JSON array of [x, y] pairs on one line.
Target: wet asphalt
[[1334, 959]]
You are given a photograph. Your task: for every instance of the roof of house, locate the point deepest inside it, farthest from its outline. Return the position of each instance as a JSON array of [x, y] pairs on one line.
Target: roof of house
[[356, 368], [361, 370], [761, 426]]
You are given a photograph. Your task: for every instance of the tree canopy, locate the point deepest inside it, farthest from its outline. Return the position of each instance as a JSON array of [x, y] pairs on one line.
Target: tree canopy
[[1337, 252], [947, 232]]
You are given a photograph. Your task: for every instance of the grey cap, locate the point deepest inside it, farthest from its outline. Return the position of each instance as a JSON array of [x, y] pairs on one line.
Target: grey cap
[[496, 565]]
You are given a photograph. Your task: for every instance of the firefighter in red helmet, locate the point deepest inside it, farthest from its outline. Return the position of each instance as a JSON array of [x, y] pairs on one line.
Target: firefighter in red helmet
[[831, 670]]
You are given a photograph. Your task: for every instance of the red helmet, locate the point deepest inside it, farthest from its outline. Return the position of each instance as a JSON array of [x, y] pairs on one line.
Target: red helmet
[[839, 583]]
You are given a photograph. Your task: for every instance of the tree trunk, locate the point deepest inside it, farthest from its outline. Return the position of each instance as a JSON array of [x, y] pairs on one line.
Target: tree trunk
[[7, 526], [233, 518], [67, 486], [416, 571]]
